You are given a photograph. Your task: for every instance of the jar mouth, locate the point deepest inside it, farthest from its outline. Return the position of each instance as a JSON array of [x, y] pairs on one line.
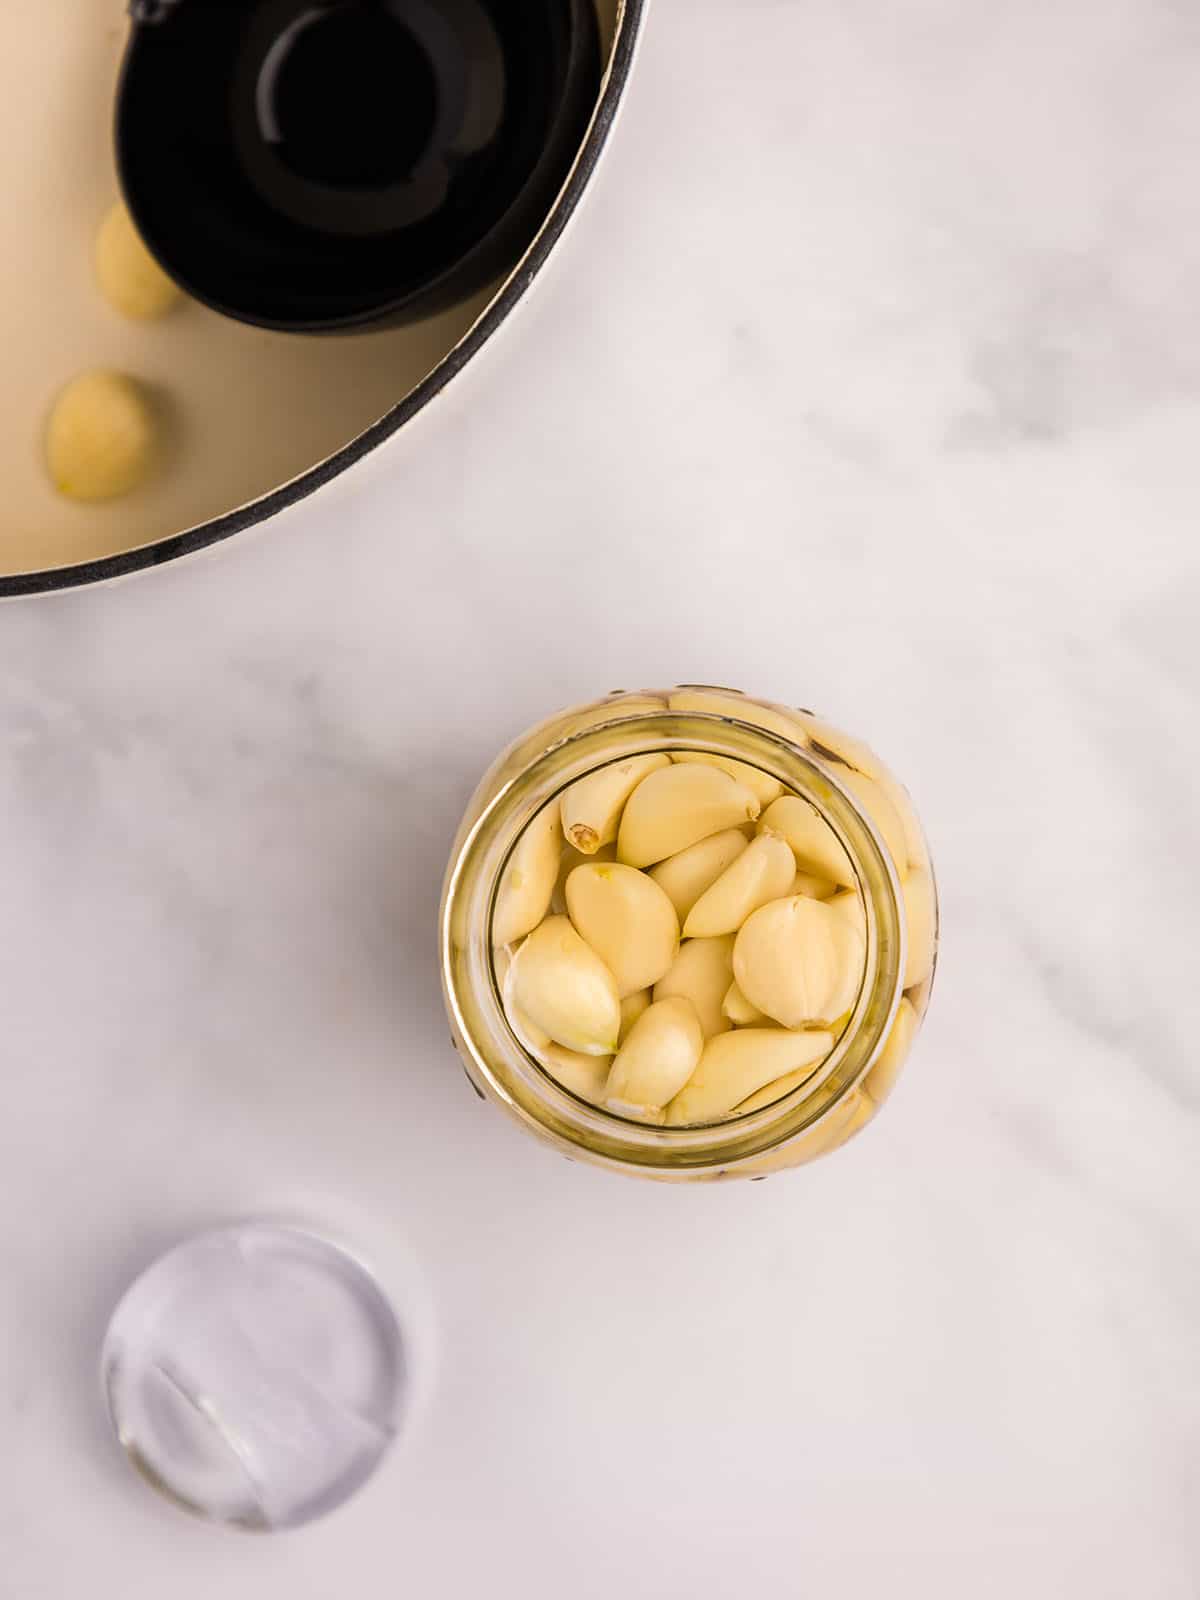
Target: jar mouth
[[473, 989]]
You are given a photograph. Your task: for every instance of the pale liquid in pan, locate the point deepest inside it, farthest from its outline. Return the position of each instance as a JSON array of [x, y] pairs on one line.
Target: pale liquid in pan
[[247, 409]]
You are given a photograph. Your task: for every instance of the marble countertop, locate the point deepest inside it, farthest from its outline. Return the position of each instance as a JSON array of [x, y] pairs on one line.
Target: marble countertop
[[868, 377]]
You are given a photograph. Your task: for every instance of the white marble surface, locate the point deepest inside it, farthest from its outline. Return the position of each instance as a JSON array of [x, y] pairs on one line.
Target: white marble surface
[[869, 377]]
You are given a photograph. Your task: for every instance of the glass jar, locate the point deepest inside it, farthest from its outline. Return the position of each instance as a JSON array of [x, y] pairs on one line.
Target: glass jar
[[874, 823]]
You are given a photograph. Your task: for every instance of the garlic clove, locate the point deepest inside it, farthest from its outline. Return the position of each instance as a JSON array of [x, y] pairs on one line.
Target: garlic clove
[[740, 1012], [816, 847], [527, 886], [763, 872], [875, 802], [915, 847], [632, 1007], [613, 709], [659, 1056], [685, 877], [568, 861], [762, 786], [591, 808], [814, 888], [800, 961], [837, 1127], [553, 731], [702, 973], [918, 998], [502, 959], [849, 903], [881, 1079], [103, 437], [772, 1092], [728, 703], [584, 1076], [677, 807], [560, 985], [130, 279], [528, 1034], [920, 919], [849, 751], [736, 1065], [625, 917]]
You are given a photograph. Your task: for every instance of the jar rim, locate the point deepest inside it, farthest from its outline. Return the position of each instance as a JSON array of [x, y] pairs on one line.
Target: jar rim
[[514, 1078]]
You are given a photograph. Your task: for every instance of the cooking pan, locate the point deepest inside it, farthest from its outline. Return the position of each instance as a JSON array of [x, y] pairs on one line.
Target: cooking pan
[[280, 414]]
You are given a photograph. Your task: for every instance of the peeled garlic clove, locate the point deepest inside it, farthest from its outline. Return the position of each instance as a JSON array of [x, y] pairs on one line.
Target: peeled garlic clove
[[920, 919], [502, 960], [881, 1079], [612, 710], [739, 1010], [527, 886], [765, 788], [762, 873], [591, 808], [702, 973], [851, 752], [661, 1053], [774, 1091], [528, 1034], [814, 888], [850, 904], [875, 802], [838, 1124], [130, 279], [103, 439], [915, 847], [655, 1115], [568, 861], [632, 1007], [728, 703], [837, 1128], [685, 877], [564, 725], [561, 985], [815, 846], [736, 1065], [583, 1075], [627, 920], [677, 807], [918, 998], [800, 961]]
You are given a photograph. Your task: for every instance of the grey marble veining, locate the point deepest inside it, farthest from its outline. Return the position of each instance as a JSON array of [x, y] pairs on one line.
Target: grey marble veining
[[868, 378]]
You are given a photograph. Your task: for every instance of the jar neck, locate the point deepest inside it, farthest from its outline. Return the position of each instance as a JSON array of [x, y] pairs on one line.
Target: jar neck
[[473, 995]]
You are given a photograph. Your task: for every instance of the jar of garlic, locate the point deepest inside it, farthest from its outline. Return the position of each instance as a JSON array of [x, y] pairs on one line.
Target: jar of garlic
[[688, 934]]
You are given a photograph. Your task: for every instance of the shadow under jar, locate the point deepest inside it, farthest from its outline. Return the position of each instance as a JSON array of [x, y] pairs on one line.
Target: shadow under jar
[[588, 871]]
